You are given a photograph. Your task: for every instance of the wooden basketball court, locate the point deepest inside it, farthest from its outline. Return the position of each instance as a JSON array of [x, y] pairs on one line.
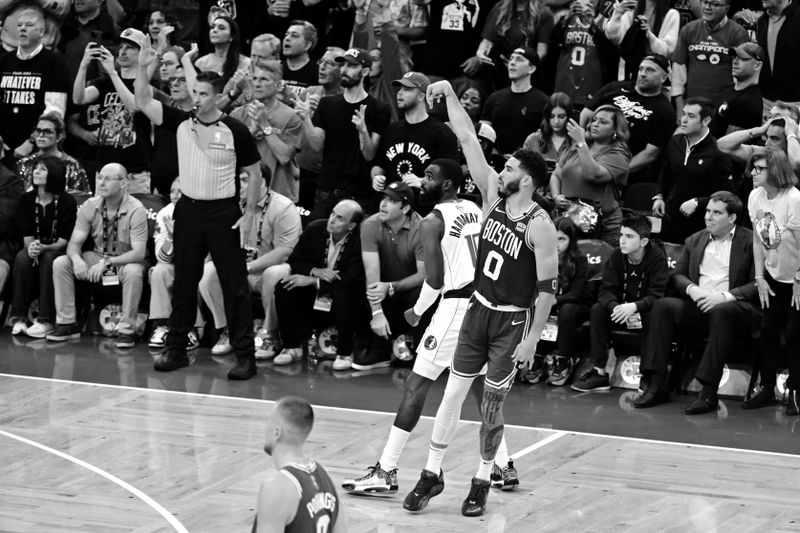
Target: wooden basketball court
[[81, 457]]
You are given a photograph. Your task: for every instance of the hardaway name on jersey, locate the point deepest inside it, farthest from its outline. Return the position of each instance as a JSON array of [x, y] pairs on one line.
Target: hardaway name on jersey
[[462, 229]]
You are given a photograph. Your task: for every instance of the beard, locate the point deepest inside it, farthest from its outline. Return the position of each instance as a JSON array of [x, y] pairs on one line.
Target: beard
[[348, 82], [508, 189], [431, 197]]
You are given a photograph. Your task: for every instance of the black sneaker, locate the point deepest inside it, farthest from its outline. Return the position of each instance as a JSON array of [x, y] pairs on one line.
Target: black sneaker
[[475, 504], [171, 361], [592, 382], [505, 478], [65, 332], [535, 373], [562, 368], [125, 339], [428, 486], [371, 360]]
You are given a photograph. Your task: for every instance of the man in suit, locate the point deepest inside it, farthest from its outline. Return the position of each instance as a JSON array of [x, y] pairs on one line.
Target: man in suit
[[327, 276], [714, 279]]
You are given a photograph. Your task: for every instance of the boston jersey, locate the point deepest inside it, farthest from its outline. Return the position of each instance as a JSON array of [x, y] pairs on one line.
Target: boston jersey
[[462, 229], [580, 69], [319, 505], [506, 268]]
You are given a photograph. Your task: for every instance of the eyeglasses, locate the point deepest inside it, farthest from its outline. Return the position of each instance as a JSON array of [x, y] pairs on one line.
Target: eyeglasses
[[177, 80], [327, 63], [104, 179], [47, 132], [758, 169], [715, 5]]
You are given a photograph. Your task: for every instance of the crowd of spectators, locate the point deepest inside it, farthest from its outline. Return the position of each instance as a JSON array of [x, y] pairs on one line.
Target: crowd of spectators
[[123, 123]]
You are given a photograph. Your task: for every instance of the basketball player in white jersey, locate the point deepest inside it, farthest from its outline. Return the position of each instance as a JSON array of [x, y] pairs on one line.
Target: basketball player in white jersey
[[449, 236]]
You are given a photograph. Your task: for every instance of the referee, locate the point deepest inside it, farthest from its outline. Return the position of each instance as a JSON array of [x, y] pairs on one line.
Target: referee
[[212, 148]]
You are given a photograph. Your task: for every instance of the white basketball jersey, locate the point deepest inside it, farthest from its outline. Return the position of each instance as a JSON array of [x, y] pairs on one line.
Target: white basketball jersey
[[462, 229]]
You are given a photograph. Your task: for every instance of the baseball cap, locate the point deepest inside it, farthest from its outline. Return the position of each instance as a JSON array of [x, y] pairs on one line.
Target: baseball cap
[[748, 51], [659, 60], [413, 80], [356, 56], [528, 53], [487, 132], [399, 192], [135, 36]]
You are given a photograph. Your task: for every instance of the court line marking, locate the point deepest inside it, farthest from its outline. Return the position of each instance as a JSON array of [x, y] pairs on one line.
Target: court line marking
[[157, 507], [536, 445], [427, 417]]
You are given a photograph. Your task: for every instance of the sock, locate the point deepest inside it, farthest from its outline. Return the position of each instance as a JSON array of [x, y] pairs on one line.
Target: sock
[[446, 423], [501, 458], [393, 448], [484, 470]]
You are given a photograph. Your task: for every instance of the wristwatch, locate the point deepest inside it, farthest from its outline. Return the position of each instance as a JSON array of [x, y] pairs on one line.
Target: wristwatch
[[107, 262], [580, 144], [269, 130]]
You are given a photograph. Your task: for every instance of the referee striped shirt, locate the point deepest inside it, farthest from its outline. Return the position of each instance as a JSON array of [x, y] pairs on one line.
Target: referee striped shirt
[[210, 156]]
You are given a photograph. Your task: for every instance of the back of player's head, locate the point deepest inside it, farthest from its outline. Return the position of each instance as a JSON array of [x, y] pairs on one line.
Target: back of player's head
[[639, 224], [532, 164], [297, 417], [450, 170], [706, 106], [216, 81]]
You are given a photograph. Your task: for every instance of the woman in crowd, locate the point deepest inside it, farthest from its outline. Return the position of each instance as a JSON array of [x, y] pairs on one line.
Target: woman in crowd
[[774, 207], [591, 173], [571, 307], [511, 24], [551, 140], [226, 58], [472, 101], [640, 28], [48, 136], [45, 218]]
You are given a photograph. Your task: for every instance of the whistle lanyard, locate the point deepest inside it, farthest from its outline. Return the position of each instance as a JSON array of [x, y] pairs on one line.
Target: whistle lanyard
[[336, 256], [625, 284], [39, 217], [261, 221], [113, 232]]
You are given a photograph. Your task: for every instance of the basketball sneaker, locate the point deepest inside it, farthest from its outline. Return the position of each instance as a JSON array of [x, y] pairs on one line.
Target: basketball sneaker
[[562, 368], [40, 330], [223, 345], [475, 503], [505, 478], [428, 486], [192, 340], [20, 327], [270, 346], [376, 482], [159, 338]]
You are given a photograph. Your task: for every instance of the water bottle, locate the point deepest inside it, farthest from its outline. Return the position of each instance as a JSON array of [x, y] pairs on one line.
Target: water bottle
[[313, 349]]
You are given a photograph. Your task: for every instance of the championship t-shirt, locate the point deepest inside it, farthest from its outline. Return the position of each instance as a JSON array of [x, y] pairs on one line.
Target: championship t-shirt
[[302, 78], [23, 85], [704, 52]]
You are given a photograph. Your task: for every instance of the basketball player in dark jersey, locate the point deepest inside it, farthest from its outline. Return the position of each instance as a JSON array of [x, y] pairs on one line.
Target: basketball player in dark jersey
[[517, 263], [299, 497]]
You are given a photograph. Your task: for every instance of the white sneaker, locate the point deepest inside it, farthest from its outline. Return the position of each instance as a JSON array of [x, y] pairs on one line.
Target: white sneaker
[[288, 356], [40, 330], [20, 327], [159, 337], [270, 347], [223, 346], [343, 362], [193, 342]]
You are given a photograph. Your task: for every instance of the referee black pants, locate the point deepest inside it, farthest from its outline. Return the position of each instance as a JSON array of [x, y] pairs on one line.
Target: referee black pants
[[202, 227]]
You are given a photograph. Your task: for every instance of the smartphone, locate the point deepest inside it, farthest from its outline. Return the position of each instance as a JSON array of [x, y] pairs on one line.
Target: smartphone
[[96, 37]]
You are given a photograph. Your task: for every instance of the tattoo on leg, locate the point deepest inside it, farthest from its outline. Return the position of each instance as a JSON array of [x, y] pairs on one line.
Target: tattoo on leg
[[492, 421]]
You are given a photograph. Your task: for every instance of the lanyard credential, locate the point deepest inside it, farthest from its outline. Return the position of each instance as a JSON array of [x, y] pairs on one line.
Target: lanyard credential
[[113, 232], [39, 221]]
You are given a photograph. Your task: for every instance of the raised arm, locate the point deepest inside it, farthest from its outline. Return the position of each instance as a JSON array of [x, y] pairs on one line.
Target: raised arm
[[106, 60], [80, 93], [482, 173], [145, 102]]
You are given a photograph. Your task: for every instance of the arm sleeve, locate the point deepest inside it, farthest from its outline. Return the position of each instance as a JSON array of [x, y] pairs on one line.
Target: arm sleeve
[[616, 161], [244, 143], [617, 26]]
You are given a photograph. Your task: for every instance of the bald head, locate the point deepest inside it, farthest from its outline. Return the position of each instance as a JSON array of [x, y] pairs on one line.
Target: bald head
[[353, 209], [115, 170]]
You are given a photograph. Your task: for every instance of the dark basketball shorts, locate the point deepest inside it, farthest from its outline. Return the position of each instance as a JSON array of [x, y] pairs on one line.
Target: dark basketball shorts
[[489, 336]]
